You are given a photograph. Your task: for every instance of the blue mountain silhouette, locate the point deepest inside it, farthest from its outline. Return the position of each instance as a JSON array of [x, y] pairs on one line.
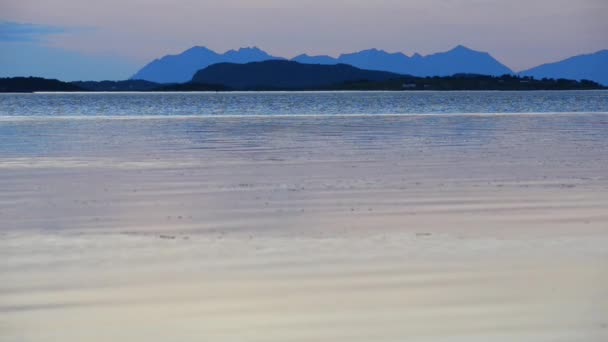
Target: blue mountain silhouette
[[458, 60], [180, 68], [323, 59], [592, 67], [374, 59]]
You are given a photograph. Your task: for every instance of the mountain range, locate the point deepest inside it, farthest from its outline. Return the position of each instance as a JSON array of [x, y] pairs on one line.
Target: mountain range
[[458, 60], [592, 66], [181, 67]]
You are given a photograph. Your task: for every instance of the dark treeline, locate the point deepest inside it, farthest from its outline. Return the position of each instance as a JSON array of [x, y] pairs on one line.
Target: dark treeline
[[471, 82], [128, 85], [455, 82], [31, 84]]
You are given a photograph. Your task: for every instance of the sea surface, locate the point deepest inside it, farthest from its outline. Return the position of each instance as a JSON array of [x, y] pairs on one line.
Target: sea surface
[[298, 103], [218, 153], [296, 124]]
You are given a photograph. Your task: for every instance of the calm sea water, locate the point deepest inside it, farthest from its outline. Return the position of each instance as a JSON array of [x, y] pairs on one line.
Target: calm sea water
[[304, 126], [290, 103]]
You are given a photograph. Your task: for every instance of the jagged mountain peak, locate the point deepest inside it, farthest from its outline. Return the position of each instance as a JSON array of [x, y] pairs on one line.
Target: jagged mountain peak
[[460, 59]]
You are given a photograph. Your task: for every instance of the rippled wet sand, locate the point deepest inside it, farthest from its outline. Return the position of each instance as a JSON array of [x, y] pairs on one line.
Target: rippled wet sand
[[384, 228]]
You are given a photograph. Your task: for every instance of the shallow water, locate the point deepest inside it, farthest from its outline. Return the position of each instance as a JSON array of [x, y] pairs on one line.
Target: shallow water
[[93, 155]]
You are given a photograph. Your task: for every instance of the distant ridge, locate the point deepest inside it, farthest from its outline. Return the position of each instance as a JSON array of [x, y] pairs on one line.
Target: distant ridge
[[592, 67], [306, 59], [128, 85], [180, 68], [32, 84], [277, 74], [457, 60], [309, 77]]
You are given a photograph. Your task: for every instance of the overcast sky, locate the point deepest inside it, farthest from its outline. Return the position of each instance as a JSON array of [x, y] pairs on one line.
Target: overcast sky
[[519, 33]]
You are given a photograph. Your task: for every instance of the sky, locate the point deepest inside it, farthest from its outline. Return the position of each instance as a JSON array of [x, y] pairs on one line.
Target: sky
[[111, 39]]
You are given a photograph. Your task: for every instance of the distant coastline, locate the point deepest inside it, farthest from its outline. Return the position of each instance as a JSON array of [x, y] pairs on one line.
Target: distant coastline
[[273, 75], [252, 69], [451, 83]]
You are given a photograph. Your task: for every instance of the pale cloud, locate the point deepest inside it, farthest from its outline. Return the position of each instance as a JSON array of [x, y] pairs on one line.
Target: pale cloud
[[26, 32]]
